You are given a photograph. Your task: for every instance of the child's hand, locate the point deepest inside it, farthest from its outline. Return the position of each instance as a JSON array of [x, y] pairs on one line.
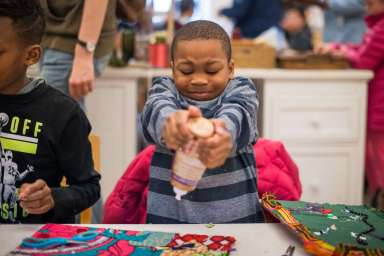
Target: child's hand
[[36, 198], [176, 133], [338, 51], [214, 151], [323, 49]]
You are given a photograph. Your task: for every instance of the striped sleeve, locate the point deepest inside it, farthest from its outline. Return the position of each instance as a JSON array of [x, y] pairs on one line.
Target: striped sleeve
[[238, 110], [161, 102], [371, 53]]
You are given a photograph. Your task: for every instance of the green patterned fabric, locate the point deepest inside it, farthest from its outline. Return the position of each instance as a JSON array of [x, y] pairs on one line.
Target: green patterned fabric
[[334, 223]]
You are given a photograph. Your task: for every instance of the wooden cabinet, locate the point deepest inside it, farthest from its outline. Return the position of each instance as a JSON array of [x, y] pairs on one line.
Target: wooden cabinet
[[322, 124]]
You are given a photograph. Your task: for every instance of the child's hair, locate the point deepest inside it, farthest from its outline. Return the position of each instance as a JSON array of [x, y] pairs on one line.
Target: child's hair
[[202, 29], [186, 5], [297, 7], [27, 19]]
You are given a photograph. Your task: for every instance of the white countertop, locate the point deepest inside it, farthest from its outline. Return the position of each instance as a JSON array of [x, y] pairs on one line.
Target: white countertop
[[271, 74], [252, 239]]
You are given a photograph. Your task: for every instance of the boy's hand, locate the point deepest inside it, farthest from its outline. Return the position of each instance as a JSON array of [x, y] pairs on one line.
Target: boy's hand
[[176, 133], [36, 198], [214, 151]]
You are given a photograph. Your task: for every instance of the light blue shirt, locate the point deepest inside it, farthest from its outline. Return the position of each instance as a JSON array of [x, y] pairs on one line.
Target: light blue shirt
[[344, 21]]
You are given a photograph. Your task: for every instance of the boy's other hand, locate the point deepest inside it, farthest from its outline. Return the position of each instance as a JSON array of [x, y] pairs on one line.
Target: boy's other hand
[[214, 151], [36, 197], [82, 76], [176, 133]]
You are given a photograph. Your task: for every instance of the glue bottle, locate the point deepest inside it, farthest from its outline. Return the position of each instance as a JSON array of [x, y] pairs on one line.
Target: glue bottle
[[187, 168]]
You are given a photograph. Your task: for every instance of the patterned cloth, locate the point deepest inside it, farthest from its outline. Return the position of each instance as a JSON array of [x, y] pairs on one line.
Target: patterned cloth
[[129, 243], [331, 229]]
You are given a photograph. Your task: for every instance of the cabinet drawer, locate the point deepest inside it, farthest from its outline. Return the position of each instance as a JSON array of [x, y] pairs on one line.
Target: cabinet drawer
[[316, 119], [329, 174]]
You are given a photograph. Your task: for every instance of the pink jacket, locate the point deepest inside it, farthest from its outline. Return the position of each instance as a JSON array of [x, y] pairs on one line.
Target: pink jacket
[[370, 55], [277, 173]]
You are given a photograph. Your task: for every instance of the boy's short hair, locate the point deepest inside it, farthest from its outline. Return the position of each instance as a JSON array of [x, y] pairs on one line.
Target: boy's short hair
[[205, 30], [27, 19]]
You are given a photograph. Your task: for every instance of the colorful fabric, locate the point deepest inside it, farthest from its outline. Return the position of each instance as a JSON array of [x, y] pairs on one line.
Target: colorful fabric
[[276, 172], [129, 243], [331, 229]]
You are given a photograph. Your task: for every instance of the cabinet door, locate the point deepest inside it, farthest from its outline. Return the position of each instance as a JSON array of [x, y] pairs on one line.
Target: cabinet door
[[111, 109], [329, 174]]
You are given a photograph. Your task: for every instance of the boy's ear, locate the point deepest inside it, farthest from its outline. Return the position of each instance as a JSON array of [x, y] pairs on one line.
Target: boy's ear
[[231, 66], [172, 65], [33, 54]]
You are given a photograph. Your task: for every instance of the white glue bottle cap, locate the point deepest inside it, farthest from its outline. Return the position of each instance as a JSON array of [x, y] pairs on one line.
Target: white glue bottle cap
[[179, 193]]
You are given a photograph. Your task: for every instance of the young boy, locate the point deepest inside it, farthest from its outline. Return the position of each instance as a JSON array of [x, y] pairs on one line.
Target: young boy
[[43, 133], [203, 85]]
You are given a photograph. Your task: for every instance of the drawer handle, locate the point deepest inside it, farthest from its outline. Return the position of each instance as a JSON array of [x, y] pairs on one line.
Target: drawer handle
[[314, 187], [315, 124]]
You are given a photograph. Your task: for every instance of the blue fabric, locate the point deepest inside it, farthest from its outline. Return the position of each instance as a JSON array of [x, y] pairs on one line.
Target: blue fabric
[[56, 66], [344, 21], [254, 16]]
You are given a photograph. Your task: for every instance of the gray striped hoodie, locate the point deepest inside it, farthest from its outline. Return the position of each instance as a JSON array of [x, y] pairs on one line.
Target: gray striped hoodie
[[227, 194]]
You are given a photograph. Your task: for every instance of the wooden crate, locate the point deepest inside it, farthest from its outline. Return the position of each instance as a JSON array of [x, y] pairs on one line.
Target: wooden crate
[[247, 54], [313, 61]]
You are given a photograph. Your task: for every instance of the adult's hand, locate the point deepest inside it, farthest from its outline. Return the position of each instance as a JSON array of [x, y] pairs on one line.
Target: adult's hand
[[82, 77]]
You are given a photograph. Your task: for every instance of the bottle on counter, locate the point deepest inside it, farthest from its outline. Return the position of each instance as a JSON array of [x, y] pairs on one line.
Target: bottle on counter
[[187, 168]]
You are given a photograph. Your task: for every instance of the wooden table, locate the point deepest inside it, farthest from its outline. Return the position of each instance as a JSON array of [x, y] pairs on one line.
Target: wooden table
[[252, 239]]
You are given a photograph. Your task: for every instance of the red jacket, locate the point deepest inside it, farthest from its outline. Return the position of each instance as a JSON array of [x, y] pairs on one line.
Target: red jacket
[[127, 203], [370, 55]]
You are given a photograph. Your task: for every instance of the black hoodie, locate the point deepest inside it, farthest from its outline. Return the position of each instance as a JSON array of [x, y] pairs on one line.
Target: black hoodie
[[44, 135]]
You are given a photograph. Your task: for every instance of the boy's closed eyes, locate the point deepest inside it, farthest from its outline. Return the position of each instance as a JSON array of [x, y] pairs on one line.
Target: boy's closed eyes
[[210, 69], [201, 69]]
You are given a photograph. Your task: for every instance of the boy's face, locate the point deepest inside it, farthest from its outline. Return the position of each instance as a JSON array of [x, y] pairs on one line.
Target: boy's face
[[374, 6], [201, 69], [15, 57]]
